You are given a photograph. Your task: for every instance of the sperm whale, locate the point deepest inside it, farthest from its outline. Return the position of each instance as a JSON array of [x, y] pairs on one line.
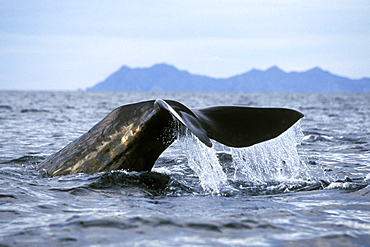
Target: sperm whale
[[133, 136]]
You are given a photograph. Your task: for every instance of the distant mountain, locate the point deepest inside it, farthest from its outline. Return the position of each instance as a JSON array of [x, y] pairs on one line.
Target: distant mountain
[[164, 77]]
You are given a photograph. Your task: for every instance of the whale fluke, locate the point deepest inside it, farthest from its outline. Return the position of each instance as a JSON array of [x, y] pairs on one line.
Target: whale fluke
[[133, 136]]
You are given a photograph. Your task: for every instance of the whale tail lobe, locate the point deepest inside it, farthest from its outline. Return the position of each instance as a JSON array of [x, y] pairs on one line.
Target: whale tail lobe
[[234, 126]]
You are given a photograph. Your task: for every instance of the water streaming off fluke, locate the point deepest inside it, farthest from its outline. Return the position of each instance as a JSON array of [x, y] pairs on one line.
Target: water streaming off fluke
[[276, 160], [204, 162], [273, 160]]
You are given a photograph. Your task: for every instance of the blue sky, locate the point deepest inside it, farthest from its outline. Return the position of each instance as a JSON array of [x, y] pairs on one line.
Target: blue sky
[[66, 45]]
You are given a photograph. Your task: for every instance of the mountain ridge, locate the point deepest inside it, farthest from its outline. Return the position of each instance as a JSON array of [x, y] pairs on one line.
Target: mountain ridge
[[165, 77]]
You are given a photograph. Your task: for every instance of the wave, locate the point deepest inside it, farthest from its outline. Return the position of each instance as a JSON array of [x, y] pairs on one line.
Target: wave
[[33, 111]]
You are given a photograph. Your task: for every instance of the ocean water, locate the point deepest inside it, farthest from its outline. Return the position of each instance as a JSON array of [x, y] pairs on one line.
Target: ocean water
[[308, 187]]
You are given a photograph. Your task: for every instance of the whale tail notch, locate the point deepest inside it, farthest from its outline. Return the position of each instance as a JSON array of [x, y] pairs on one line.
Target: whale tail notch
[[187, 117]]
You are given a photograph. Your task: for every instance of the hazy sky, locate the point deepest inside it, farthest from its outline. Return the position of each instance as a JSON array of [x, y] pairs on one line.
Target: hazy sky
[[75, 44]]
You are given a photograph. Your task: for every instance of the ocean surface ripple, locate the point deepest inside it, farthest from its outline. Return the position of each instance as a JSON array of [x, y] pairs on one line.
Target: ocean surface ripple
[[308, 187]]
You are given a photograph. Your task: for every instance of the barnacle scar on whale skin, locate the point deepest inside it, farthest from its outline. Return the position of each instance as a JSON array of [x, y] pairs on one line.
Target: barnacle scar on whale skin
[[133, 136]]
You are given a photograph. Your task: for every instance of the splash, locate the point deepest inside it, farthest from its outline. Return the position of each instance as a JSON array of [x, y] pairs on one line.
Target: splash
[[204, 162], [274, 160]]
